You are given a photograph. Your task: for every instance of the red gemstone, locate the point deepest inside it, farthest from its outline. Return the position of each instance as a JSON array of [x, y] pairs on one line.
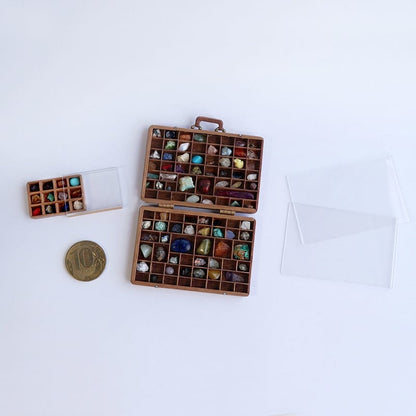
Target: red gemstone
[[36, 211], [240, 152], [204, 186], [167, 166]]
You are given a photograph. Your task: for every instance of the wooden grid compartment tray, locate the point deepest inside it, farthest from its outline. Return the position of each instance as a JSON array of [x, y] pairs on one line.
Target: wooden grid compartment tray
[[196, 168], [55, 196], [224, 266]]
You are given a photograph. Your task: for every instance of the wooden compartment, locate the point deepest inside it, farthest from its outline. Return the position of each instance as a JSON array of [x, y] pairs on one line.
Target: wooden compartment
[[204, 169]]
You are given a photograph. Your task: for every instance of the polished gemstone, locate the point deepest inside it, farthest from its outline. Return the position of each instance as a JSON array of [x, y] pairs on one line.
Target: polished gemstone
[[236, 185], [146, 250], [213, 264], [159, 185], [176, 228], [235, 204], [234, 277], [245, 225], [199, 273], [245, 235], [200, 137], [155, 155], [238, 163], [186, 136], [167, 167], [170, 134], [50, 209], [160, 253], [196, 170], [186, 183], [222, 184], [74, 181], [35, 199], [200, 262], [204, 247], [204, 186], [189, 229], [167, 156], [218, 233], [34, 187], [181, 245], [170, 145], [234, 194], [146, 224], [197, 159], [78, 205], [207, 202], [160, 226], [183, 147], [252, 177], [214, 274], [204, 231], [142, 267], [183, 158], [167, 176], [229, 234], [226, 151], [242, 252], [156, 133], [36, 211], [222, 249], [193, 198], [212, 150], [243, 267], [170, 270], [152, 176], [225, 162], [240, 152], [238, 175]]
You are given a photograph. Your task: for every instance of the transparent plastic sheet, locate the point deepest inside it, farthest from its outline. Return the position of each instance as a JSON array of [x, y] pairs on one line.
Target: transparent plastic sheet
[[342, 223]]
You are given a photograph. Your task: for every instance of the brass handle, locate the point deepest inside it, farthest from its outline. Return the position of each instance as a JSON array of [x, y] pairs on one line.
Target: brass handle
[[198, 120]]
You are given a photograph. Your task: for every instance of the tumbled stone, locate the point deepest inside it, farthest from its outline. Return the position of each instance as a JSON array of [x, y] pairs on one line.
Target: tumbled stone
[[199, 273], [207, 202], [189, 229], [234, 277], [238, 163], [214, 274], [35, 199], [159, 185], [160, 226], [236, 185], [152, 176], [245, 225], [74, 181], [168, 176], [204, 186], [197, 159], [218, 233], [240, 152], [212, 150], [181, 245], [156, 133], [245, 235], [222, 249], [229, 234], [185, 271], [193, 198], [155, 155], [78, 205], [142, 267], [183, 158], [146, 224], [170, 145], [174, 260], [176, 228], [222, 184], [226, 151], [213, 264], [179, 168], [36, 211], [167, 167], [146, 250], [183, 147], [200, 137], [225, 162], [196, 170], [164, 238], [204, 247], [241, 252], [243, 267], [167, 156], [204, 231], [170, 270], [252, 177], [186, 183], [199, 262], [170, 134]]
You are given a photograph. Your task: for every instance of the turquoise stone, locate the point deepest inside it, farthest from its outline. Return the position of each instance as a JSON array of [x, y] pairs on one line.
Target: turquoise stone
[[74, 182], [200, 137], [197, 159], [51, 197], [152, 176], [146, 250], [218, 233], [160, 226], [241, 252]]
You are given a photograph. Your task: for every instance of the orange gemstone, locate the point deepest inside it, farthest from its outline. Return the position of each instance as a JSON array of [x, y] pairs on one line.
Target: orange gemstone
[[222, 249]]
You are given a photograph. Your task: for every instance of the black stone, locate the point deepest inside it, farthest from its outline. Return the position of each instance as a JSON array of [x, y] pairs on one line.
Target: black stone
[[225, 173], [47, 185], [170, 134], [34, 187], [176, 228], [185, 271], [238, 175], [153, 278]]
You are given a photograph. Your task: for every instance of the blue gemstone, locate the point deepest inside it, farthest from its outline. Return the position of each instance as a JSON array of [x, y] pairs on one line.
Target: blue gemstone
[[229, 234], [167, 156], [176, 228], [197, 159], [181, 245]]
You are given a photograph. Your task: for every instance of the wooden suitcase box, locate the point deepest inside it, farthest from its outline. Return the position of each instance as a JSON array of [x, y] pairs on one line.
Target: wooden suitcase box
[[195, 249]]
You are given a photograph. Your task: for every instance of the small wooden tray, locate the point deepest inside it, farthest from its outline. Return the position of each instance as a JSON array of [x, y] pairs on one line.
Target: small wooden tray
[[55, 196], [187, 167]]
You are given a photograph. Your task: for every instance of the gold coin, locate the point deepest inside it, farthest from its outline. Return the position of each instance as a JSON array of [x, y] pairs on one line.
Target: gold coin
[[85, 260]]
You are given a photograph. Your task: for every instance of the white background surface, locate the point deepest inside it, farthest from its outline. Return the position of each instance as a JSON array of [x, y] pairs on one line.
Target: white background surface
[[324, 82]]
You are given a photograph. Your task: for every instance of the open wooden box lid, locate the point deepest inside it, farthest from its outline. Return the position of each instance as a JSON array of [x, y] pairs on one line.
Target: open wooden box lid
[[202, 168]]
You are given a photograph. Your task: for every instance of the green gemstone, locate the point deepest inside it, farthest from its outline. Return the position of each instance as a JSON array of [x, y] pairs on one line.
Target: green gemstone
[[218, 233], [160, 226], [146, 250], [152, 176], [170, 145], [51, 197], [200, 137], [235, 204], [204, 247]]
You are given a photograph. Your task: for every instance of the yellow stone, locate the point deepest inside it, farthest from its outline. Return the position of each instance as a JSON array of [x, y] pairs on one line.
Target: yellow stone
[[238, 163], [214, 274], [204, 231]]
